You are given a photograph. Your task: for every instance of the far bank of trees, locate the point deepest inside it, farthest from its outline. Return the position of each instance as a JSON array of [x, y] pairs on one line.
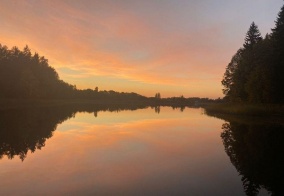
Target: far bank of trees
[[256, 72], [24, 75]]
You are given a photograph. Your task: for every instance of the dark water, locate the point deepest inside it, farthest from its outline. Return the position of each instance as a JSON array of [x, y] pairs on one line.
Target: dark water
[[131, 151]]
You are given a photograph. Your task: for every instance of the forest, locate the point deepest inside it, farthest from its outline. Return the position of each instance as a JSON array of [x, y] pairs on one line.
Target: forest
[[255, 73], [27, 76], [24, 75]]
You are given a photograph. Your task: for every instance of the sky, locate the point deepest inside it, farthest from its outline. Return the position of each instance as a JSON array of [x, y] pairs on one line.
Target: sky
[[175, 47]]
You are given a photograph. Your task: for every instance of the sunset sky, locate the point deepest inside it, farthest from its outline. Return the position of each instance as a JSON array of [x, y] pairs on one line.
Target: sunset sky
[[175, 47]]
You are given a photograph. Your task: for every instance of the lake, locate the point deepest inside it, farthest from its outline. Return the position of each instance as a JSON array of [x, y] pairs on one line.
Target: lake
[[136, 151]]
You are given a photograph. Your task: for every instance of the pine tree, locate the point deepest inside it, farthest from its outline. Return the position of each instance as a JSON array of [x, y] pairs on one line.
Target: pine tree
[[248, 61], [238, 71], [253, 36]]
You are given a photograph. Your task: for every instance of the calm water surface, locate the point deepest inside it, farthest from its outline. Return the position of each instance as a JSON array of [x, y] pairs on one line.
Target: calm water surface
[[140, 152]]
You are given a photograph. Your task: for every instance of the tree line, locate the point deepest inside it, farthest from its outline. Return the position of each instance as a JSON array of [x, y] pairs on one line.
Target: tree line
[[255, 73], [24, 75]]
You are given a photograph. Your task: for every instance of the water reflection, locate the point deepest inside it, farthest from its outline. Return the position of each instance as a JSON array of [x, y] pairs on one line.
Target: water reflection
[[27, 129], [257, 152], [126, 153], [103, 153], [157, 109]]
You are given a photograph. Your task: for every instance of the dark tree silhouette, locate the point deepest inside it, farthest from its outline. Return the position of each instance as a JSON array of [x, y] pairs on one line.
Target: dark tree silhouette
[[259, 85], [158, 96], [278, 57], [231, 77], [257, 152], [239, 69], [253, 36], [255, 73], [24, 75]]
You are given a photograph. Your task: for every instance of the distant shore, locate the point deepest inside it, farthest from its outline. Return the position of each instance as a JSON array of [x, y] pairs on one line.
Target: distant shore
[[20, 103], [254, 110], [245, 109]]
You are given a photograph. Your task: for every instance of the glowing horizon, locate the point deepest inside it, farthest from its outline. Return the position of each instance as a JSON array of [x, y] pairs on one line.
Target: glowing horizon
[[174, 47]]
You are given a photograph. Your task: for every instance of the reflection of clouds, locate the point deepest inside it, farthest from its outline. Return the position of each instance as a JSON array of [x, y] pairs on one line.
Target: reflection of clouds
[[127, 157]]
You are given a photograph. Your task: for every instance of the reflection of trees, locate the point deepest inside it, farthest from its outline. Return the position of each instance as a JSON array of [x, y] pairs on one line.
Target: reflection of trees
[[257, 152], [182, 108], [157, 109], [27, 129]]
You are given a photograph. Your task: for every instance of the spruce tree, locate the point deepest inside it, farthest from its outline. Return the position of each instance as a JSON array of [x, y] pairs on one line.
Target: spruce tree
[[239, 69], [248, 61], [253, 36]]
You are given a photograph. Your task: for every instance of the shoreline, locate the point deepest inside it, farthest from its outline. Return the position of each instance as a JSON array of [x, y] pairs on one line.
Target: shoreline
[[25, 103], [252, 110]]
